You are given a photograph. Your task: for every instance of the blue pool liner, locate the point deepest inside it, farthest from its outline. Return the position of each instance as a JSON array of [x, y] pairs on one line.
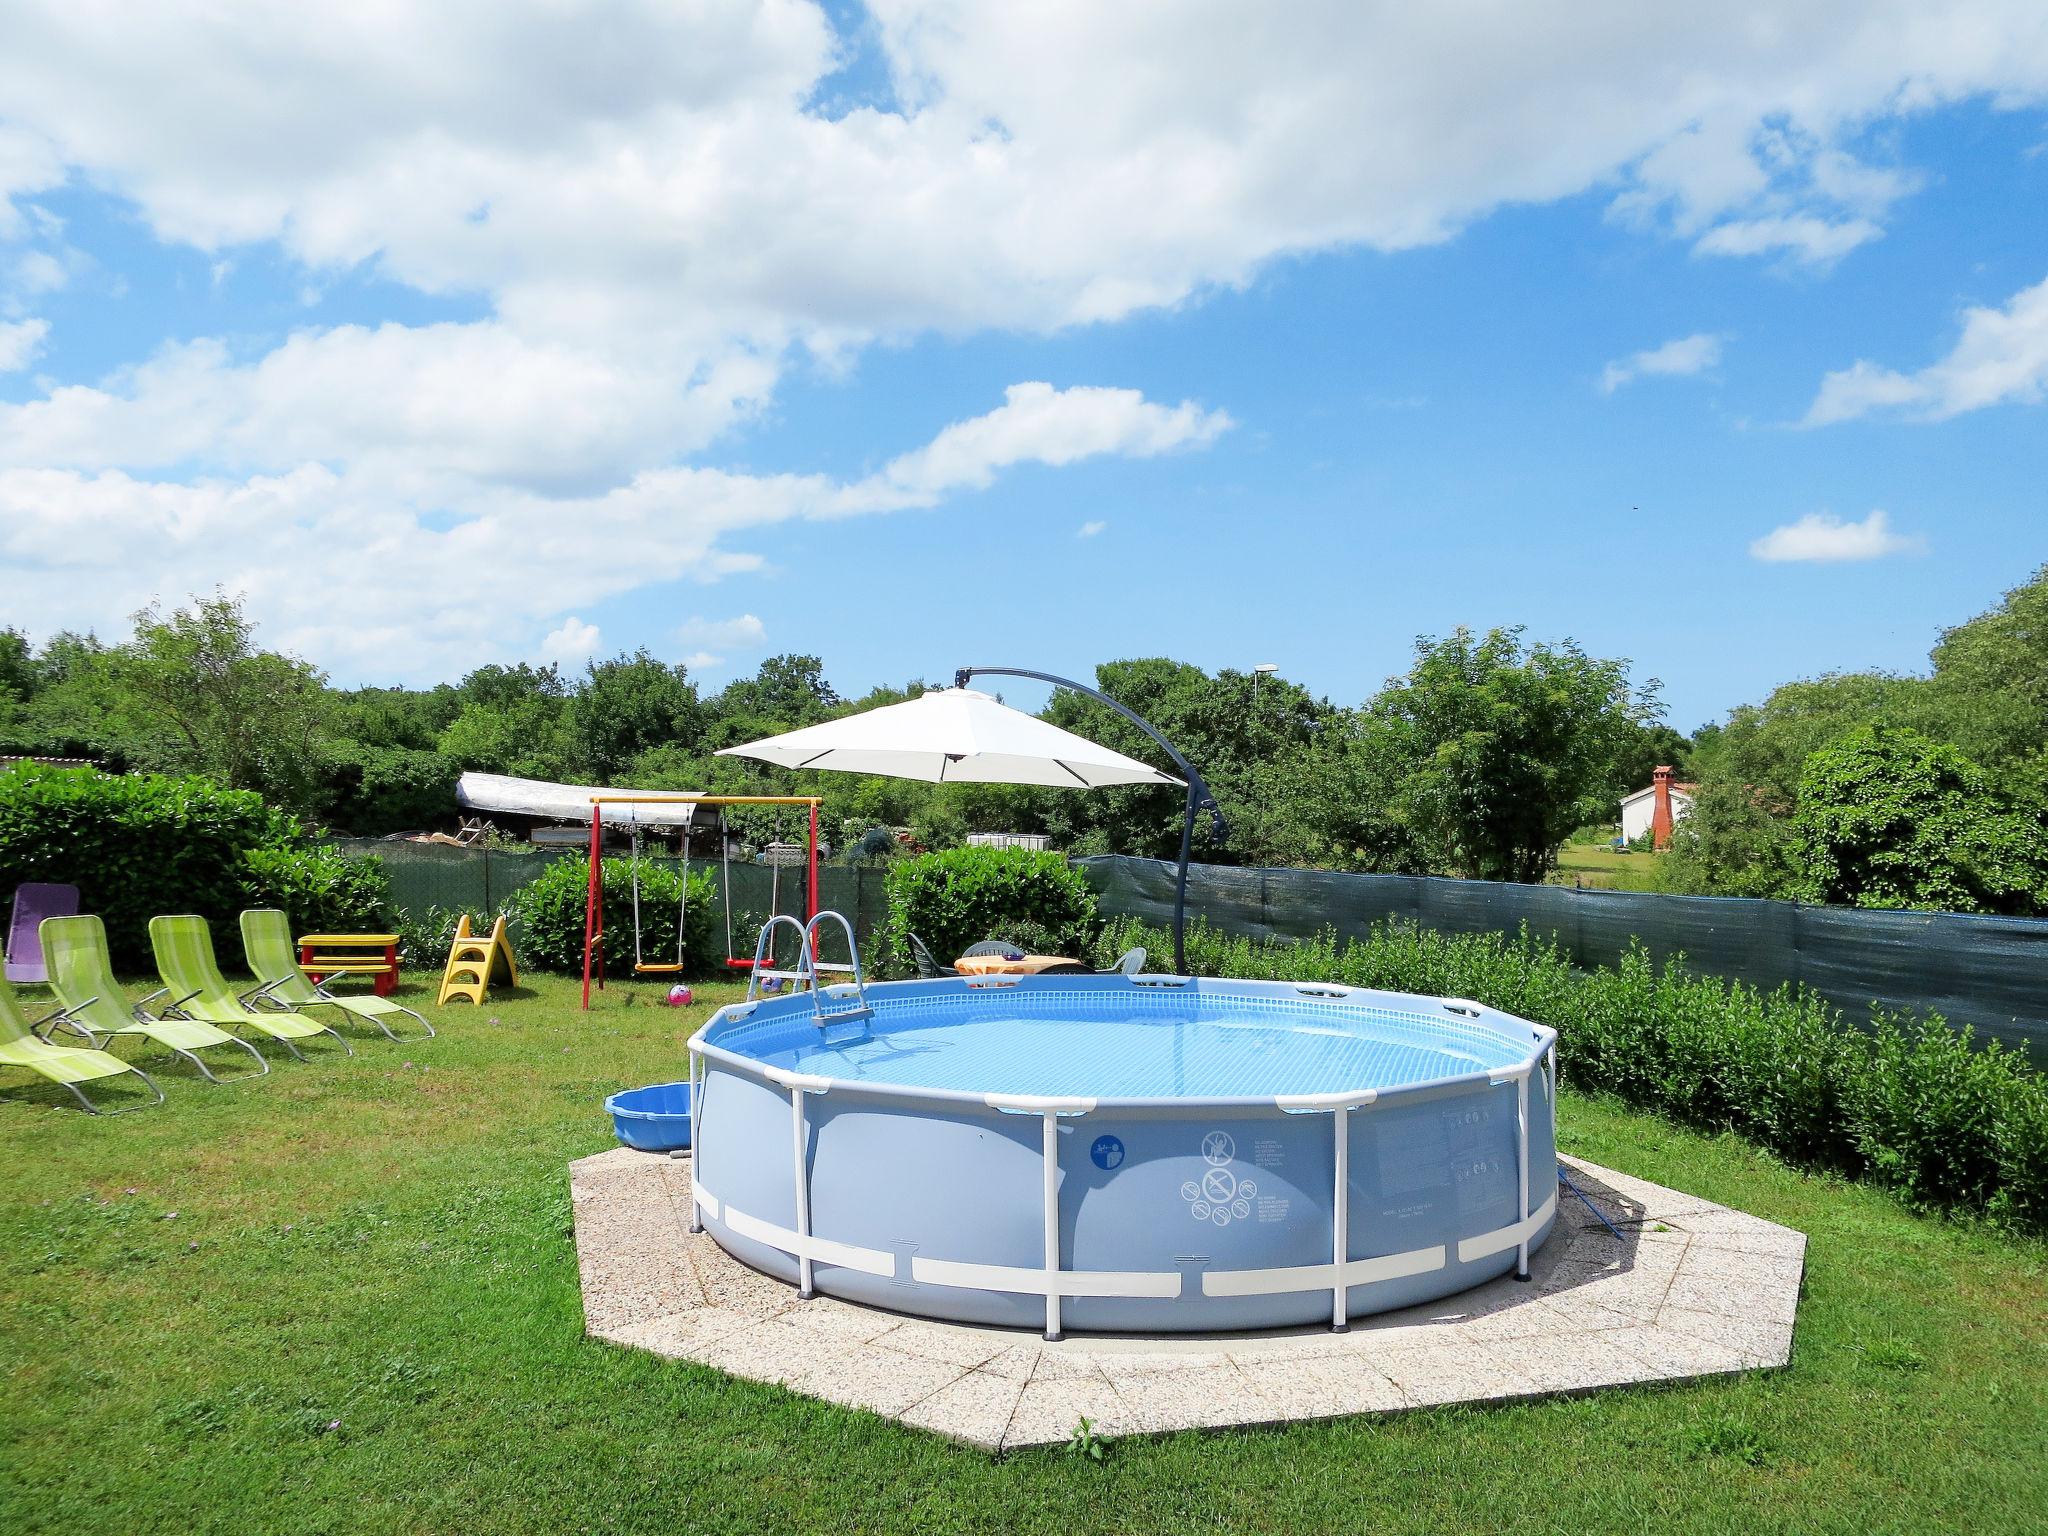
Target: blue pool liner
[[653, 1119]]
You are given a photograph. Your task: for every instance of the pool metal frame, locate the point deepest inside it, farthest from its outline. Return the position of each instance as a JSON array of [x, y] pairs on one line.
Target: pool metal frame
[[1053, 1280]]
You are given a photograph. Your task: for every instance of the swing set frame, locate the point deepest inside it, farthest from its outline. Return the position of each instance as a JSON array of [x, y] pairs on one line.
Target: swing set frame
[[593, 923]]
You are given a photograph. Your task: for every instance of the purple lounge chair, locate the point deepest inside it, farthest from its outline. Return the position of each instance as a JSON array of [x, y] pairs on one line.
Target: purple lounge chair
[[33, 903]]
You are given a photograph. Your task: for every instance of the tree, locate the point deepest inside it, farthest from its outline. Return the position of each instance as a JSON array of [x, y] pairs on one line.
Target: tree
[[1738, 839], [1336, 804], [1230, 726], [1888, 818], [208, 701], [1507, 748], [496, 687], [407, 718], [1643, 752], [789, 690], [625, 707], [1989, 692]]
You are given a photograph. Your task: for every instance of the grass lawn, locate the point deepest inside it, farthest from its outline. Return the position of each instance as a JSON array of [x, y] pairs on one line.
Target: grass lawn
[[343, 1298], [1605, 868]]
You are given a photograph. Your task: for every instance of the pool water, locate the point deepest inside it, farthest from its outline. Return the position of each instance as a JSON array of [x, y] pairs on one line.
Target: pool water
[[1223, 1053]]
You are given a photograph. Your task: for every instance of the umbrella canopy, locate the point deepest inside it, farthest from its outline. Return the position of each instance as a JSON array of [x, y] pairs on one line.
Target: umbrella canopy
[[954, 736]]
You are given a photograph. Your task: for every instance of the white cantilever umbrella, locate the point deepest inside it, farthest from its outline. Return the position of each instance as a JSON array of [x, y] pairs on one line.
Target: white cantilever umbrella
[[953, 736]]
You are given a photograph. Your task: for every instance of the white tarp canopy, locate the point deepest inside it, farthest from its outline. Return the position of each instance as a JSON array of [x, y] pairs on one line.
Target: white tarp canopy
[[495, 794], [954, 736]]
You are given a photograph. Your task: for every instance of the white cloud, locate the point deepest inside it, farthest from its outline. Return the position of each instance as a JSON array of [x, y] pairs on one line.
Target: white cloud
[[612, 178], [20, 341], [570, 642], [652, 225], [1675, 359], [2001, 357], [82, 546], [474, 400], [714, 638], [1820, 537], [1816, 241], [1089, 529], [38, 272], [1036, 424]]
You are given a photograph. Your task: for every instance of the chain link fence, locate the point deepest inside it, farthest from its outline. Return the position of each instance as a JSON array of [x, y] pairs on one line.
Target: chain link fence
[[1990, 973]]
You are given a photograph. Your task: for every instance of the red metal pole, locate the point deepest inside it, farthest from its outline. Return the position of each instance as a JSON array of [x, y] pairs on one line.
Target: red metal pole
[[590, 907], [812, 904]]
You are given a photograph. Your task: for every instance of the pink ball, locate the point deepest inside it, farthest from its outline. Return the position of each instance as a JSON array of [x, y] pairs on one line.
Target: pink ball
[[680, 996]]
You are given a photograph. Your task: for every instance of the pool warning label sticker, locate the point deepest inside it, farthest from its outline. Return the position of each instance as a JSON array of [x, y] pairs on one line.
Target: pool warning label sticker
[[1107, 1153], [1219, 1195]]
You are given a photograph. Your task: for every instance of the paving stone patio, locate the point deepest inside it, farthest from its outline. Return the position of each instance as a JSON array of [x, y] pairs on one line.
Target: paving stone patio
[[1691, 1289]]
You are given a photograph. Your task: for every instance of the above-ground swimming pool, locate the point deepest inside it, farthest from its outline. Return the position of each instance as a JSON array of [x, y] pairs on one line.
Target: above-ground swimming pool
[[1132, 1154]]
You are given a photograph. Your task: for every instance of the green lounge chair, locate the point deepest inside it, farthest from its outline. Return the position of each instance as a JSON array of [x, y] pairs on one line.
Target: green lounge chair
[[193, 982], [75, 954], [65, 1065], [274, 961]]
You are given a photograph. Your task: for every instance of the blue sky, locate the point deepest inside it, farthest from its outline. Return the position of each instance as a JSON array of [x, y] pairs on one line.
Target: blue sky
[[834, 333]]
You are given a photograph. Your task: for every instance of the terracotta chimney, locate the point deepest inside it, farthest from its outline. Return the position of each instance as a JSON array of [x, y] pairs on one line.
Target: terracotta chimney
[[1660, 818]]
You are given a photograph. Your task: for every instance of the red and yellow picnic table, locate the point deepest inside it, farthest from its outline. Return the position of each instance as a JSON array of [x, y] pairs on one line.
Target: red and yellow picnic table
[[351, 954]]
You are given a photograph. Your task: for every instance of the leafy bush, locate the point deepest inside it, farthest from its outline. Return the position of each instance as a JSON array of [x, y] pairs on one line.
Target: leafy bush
[[425, 936], [549, 913], [141, 845], [961, 896], [1911, 1105], [322, 889]]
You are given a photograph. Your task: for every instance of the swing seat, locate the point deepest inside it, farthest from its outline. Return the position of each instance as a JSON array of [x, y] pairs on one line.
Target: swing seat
[[655, 968], [738, 963]]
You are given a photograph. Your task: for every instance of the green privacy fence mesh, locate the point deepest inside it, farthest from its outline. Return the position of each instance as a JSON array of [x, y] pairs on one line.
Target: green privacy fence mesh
[[425, 876], [1988, 972]]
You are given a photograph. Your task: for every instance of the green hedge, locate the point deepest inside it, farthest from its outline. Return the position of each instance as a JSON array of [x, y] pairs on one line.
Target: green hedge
[[961, 896], [1909, 1103], [141, 845], [321, 889], [549, 913]]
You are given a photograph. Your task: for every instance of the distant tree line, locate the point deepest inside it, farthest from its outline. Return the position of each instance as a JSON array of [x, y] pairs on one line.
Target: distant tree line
[[1480, 760]]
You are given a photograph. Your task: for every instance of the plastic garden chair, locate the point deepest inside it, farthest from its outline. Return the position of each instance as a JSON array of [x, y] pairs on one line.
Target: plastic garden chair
[[33, 903], [274, 961], [197, 990], [65, 1065], [927, 966], [75, 950]]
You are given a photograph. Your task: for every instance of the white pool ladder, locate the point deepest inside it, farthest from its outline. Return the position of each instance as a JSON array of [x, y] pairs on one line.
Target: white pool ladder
[[810, 970]]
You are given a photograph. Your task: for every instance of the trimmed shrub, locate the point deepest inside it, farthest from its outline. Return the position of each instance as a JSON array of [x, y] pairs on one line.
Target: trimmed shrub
[[425, 936], [961, 896], [549, 914], [1912, 1105], [141, 845], [322, 889]]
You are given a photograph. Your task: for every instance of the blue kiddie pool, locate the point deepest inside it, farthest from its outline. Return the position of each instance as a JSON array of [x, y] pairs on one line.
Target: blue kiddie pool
[[655, 1119]]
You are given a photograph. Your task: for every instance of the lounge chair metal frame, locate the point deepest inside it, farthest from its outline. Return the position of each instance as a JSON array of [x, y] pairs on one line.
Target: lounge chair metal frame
[[251, 1017], [75, 955], [38, 1029], [313, 994]]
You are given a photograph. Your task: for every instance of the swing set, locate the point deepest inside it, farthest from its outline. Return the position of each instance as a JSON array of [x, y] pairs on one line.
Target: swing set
[[593, 908]]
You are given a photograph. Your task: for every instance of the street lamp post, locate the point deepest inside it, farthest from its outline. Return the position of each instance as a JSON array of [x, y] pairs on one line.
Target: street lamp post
[[1199, 798]]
